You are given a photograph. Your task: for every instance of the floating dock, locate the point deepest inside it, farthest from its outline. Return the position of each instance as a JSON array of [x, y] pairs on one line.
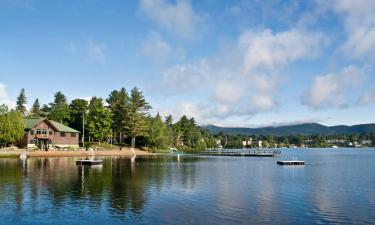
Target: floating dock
[[291, 163], [89, 162], [243, 153]]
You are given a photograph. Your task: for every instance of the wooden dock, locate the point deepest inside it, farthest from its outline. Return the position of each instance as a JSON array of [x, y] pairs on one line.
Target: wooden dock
[[89, 162], [291, 162], [242, 153]]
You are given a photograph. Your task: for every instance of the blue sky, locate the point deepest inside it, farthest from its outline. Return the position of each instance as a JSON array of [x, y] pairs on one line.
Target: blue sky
[[230, 63]]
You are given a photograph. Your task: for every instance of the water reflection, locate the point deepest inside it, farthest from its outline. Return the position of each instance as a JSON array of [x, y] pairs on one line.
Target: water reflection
[[189, 190]]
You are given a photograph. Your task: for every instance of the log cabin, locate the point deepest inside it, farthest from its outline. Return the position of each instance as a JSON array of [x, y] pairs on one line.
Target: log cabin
[[42, 133]]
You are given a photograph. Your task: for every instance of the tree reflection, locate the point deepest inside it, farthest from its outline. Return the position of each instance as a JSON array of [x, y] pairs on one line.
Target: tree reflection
[[122, 186]]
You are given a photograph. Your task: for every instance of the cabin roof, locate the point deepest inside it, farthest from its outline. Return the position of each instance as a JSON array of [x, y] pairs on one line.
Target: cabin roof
[[31, 122], [62, 128]]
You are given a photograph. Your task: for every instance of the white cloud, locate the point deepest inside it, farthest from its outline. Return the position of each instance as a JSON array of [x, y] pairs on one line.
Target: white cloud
[[293, 122], [184, 77], [367, 97], [205, 113], [266, 50], [359, 21], [159, 50], [227, 91], [244, 78], [263, 102], [95, 53], [4, 98], [178, 18], [156, 48], [330, 90]]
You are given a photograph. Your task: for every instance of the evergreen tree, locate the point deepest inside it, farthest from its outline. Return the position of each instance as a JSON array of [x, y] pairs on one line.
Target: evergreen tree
[[118, 102], [77, 108], [99, 120], [170, 131], [188, 133], [169, 121], [45, 110], [35, 109], [21, 101], [136, 117], [59, 109]]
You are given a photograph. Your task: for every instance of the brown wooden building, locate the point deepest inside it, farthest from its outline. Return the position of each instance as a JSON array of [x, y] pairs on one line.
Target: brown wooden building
[[42, 132]]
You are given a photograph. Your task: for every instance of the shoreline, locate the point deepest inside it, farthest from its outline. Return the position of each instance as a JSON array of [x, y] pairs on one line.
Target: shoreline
[[72, 153]]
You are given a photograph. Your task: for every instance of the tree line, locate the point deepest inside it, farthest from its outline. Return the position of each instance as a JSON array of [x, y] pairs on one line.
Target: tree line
[[122, 118]]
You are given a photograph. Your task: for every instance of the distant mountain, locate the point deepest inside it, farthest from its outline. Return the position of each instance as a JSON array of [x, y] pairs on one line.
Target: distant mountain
[[300, 129]]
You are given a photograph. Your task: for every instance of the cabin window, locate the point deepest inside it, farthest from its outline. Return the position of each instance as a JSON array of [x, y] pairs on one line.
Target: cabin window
[[73, 135], [31, 132], [50, 133], [62, 134], [40, 131]]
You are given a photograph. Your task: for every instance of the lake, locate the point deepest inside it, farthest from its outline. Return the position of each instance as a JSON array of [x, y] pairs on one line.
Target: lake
[[336, 186]]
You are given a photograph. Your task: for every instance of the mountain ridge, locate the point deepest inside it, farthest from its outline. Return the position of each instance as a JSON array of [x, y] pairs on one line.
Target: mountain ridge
[[297, 129]]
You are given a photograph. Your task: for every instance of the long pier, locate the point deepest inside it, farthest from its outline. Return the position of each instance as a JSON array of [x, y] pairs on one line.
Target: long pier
[[291, 163], [243, 152]]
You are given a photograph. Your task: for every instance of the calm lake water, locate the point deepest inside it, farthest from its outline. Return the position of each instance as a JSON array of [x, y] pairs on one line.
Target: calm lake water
[[336, 186]]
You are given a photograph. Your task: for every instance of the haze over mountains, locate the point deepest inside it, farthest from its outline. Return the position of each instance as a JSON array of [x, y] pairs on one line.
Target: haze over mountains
[[299, 129]]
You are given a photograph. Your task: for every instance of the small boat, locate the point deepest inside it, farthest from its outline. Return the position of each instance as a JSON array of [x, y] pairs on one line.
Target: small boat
[[89, 162]]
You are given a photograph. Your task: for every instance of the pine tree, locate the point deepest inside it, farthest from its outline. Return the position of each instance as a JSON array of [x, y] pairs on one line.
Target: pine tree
[[45, 110], [21, 101], [170, 131], [77, 108], [188, 134], [119, 104], [136, 118], [35, 109], [59, 109]]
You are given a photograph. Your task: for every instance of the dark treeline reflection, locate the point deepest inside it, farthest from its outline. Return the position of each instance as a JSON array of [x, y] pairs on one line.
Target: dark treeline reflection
[[118, 184]]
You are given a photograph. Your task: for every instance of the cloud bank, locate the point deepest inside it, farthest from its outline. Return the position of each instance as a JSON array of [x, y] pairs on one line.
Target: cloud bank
[[333, 90], [243, 79]]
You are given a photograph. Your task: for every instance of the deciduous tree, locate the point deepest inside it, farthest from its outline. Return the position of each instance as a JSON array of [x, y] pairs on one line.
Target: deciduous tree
[[99, 120]]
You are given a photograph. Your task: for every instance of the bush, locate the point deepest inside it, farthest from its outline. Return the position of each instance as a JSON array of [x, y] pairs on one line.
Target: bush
[[88, 144]]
